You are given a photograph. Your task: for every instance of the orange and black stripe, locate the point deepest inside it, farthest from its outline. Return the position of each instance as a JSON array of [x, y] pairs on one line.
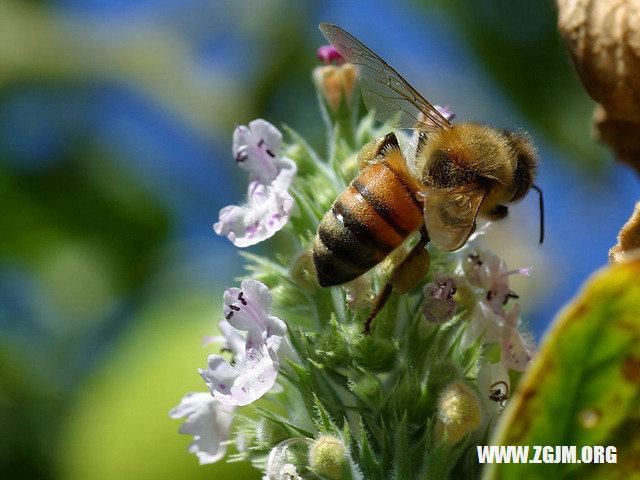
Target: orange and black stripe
[[370, 219]]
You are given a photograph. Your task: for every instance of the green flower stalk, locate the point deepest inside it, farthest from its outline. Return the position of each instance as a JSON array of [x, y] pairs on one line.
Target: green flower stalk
[[306, 393]]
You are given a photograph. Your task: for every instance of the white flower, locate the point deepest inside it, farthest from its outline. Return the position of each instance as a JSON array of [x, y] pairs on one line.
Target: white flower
[[208, 421], [516, 349], [245, 382], [489, 319], [277, 466], [489, 272], [256, 149], [256, 364]]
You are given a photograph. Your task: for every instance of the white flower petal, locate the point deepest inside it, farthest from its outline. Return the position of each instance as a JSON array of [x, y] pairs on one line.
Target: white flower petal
[[288, 169], [484, 323], [256, 149], [277, 466], [257, 375], [247, 309], [248, 380], [263, 130], [516, 350], [256, 362], [233, 340], [219, 377], [209, 423], [266, 212], [257, 293]]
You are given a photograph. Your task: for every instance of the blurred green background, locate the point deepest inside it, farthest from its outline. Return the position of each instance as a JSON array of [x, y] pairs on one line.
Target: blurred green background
[[115, 157]]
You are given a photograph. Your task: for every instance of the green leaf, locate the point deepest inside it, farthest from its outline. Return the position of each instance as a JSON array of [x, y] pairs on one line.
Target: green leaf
[[403, 464], [583, 388], [323, 422], [368, 462]]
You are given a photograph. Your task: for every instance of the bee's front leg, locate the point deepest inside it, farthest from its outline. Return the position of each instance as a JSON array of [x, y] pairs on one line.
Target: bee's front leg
[[404, 276], [498, 212]]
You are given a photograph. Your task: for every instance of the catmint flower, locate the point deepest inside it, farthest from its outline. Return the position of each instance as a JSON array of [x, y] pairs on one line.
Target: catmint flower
[[208, 421], [328, 54], [439, 305], [444, 111], [277, 466], [247, 380], [327, 456], [488, 271], [516, 348], [255, 369], [256, 149], [459, 412]]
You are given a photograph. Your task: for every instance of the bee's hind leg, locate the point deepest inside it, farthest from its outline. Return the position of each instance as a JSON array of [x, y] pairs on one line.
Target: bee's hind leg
[[404, 276]]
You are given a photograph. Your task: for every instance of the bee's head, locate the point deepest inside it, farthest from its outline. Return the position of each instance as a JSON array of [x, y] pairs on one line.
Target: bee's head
[[525, 170], [526, 163]]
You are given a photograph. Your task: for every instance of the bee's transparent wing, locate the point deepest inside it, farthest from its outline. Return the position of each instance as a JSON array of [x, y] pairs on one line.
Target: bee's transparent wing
[[385, 92], [450, 214]]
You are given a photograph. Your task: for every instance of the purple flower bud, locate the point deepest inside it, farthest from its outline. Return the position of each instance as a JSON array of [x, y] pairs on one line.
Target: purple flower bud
[[439, 305], [328, 54]]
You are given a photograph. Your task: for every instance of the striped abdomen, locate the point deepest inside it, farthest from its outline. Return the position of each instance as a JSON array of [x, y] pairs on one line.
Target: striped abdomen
[[371, 218]]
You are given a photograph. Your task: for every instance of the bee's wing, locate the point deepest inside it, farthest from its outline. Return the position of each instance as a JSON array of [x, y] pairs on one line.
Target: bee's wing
[[450, 214], [385, 92]]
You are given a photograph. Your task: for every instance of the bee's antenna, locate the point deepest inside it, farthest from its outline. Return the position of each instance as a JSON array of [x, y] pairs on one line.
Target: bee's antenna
[[539, 190]]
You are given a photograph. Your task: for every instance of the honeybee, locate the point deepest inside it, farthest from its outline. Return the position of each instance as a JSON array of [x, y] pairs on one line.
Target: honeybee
[[459, 172]]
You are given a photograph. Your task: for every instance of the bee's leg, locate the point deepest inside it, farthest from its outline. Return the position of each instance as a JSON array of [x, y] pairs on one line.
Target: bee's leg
[[404, 276], [498, 212], [371, 150]]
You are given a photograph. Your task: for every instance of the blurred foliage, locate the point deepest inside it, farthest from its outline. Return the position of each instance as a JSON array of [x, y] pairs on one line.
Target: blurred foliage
[[518, 43], [42, 43], [583, 387]]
